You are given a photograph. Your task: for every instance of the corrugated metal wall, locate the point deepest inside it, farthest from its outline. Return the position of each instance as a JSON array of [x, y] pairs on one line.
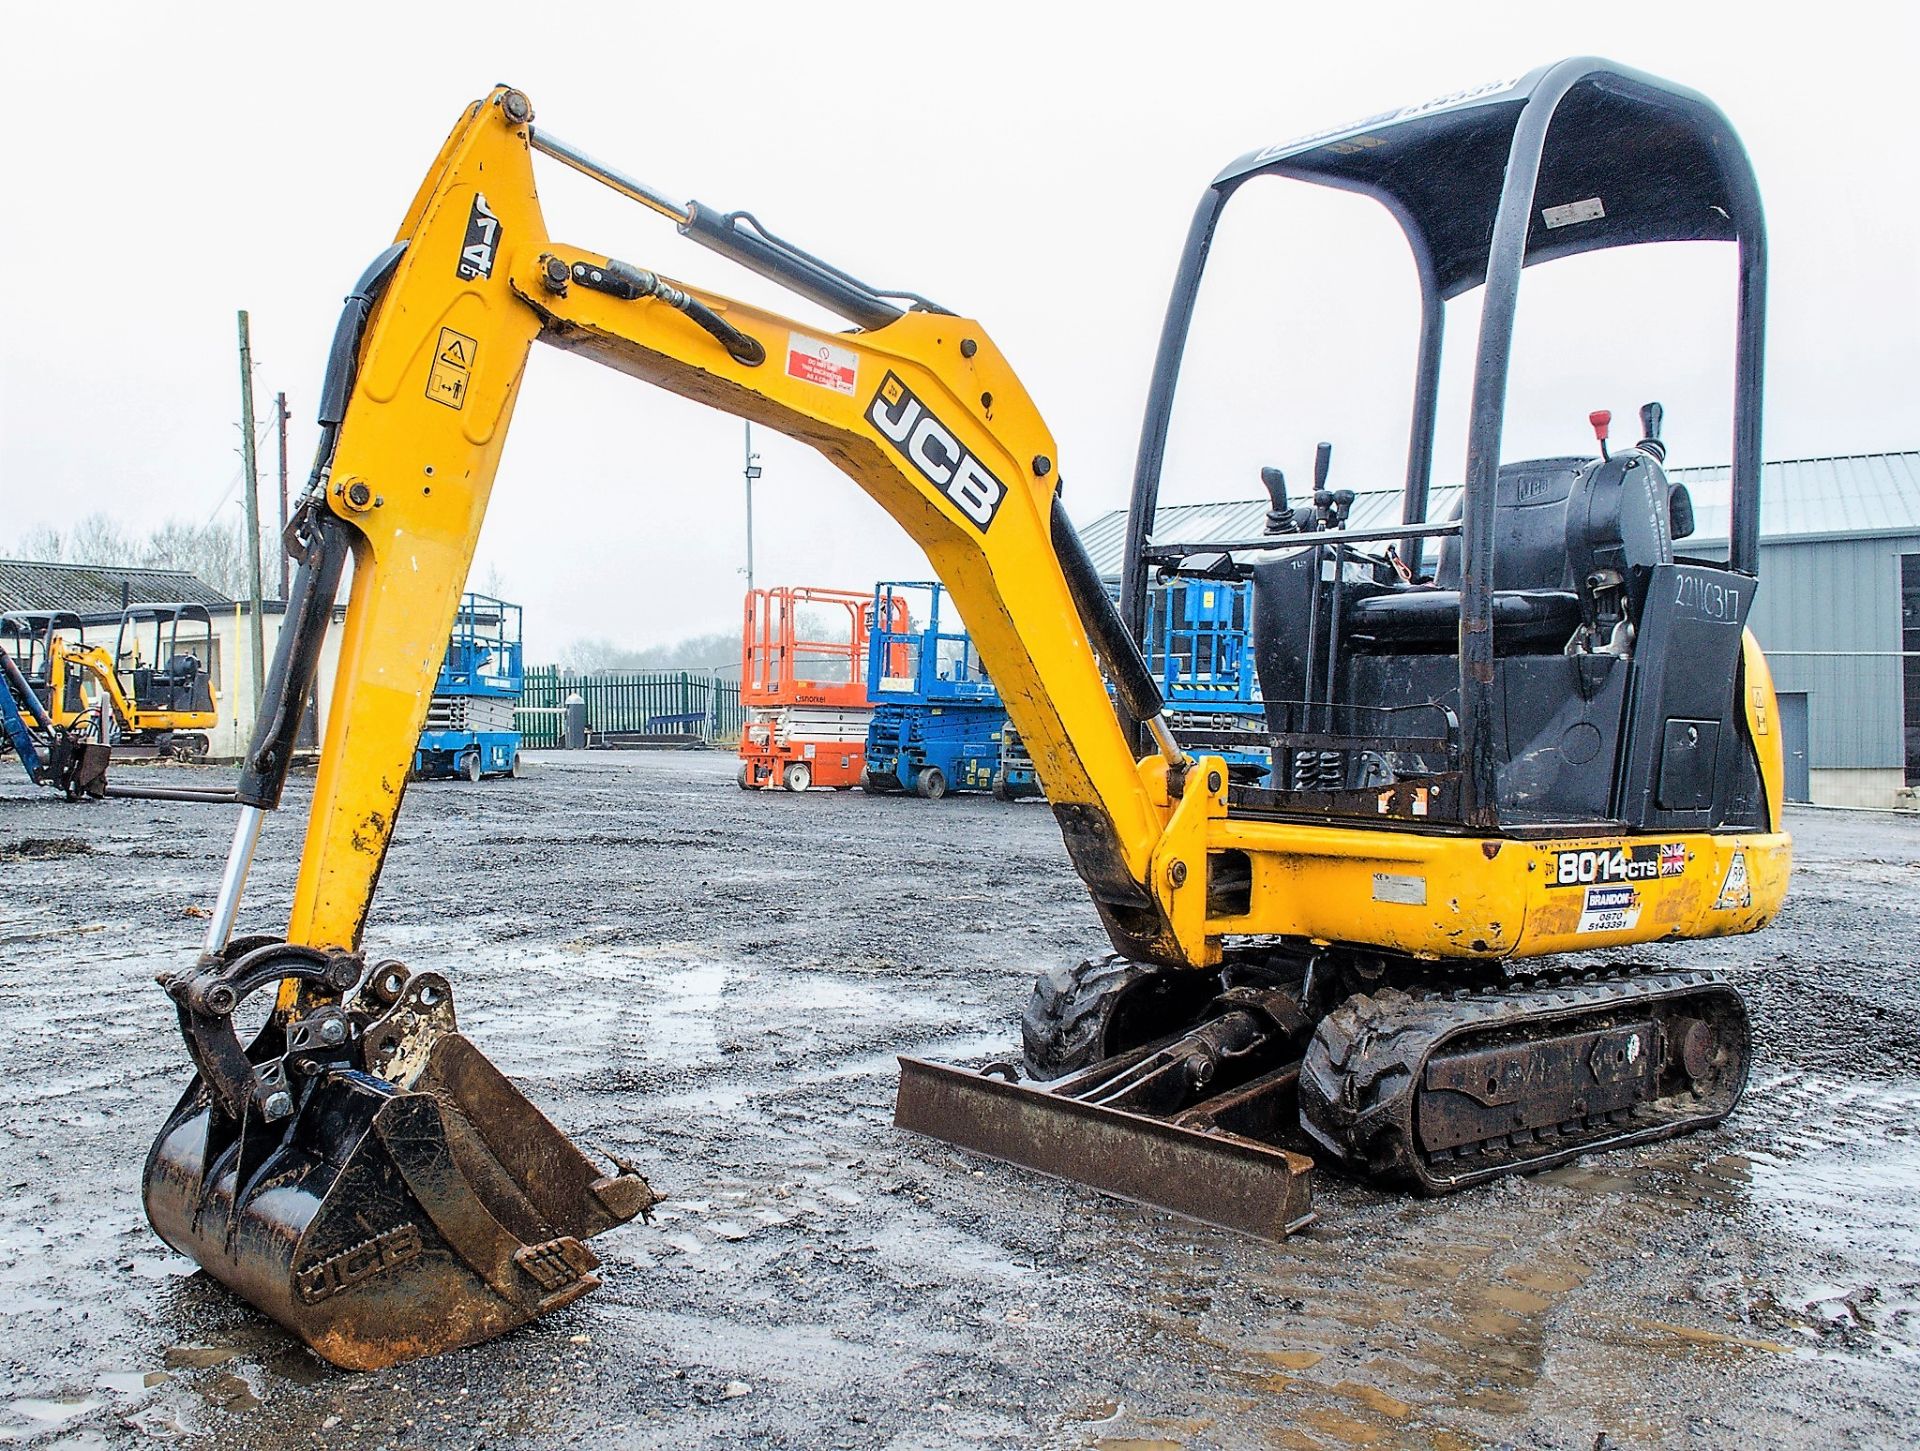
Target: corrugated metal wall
[[1821, 606]]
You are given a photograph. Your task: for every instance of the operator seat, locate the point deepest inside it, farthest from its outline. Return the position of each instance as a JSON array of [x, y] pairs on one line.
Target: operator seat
[[1535, 604]]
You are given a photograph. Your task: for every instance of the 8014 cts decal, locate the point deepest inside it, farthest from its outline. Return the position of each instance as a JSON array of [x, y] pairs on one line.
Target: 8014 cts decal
[[929, 445], [1618, 864]]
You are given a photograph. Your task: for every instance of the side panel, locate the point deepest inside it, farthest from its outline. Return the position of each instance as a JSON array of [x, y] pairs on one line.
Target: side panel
[[1687, 764], [1455, 897]]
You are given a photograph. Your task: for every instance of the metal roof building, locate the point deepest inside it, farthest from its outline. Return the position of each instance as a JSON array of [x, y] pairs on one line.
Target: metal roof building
[[99, 591], [1838, 607]]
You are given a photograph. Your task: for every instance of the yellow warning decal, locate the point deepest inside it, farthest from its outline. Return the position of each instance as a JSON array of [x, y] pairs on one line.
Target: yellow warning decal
[[452, 371]]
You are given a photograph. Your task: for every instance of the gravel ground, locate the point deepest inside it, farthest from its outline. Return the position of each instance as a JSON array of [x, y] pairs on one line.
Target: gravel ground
[[715, 985]]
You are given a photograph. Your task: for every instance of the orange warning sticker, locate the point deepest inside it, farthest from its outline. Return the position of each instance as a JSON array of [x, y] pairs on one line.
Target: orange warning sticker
[[816, 361], [452, 372]]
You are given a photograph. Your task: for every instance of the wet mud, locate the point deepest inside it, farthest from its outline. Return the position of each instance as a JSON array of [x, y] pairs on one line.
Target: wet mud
[[714, 985]]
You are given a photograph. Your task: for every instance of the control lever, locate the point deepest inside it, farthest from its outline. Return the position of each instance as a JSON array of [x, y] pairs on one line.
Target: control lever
[[1601, 419], [1280, 518], [1651, 415], [1330, 506], [1680, 520]]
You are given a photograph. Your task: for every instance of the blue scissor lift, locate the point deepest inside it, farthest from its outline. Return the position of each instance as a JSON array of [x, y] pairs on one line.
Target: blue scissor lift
[[470, 720], [937, 719], [1201, 652]]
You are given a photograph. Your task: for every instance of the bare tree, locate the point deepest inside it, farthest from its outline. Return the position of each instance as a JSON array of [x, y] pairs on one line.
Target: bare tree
[[699, 652], [215, 553]]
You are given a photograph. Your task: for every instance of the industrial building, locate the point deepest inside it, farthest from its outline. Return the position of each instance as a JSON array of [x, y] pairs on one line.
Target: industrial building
[[97, 593], [1838, 610]]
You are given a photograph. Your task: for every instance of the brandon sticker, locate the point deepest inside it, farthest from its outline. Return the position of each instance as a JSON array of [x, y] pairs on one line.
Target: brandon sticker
[[1610, 909], [929, 445]]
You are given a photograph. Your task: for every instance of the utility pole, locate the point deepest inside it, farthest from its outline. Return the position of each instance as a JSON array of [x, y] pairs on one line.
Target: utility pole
[[752, 472], [280, 405], [250, 465]]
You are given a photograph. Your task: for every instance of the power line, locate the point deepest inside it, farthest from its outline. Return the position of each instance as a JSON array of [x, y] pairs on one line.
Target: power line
[[233, 483]]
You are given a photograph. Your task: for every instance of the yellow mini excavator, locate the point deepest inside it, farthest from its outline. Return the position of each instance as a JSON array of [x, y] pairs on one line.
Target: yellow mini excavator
[[1553, 735], [153, 690]]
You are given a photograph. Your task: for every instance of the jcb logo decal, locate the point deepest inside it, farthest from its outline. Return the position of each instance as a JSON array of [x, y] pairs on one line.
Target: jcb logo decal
[[926, 443], [483, 237]]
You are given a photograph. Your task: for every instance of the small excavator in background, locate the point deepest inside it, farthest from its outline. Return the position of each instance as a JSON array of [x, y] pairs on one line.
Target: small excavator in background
[[68, 757], [1553, 735], [152, 692], [159, 680], [57, 734]]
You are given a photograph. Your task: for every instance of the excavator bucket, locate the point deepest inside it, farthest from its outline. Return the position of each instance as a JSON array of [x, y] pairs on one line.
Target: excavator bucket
[[363, 1174]]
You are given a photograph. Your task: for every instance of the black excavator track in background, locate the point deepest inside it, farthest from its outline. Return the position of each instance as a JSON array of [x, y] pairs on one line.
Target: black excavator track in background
[[1437, 1091]]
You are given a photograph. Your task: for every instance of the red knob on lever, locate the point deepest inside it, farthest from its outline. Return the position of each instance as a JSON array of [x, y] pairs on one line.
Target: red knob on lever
[[1601, 419]]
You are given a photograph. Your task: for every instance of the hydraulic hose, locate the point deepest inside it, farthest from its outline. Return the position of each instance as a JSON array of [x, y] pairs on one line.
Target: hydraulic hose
[[319, 541], [1139, 693]]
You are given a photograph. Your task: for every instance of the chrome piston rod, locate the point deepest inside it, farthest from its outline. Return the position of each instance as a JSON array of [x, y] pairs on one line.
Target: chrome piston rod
[[547, 144], [233, 881]]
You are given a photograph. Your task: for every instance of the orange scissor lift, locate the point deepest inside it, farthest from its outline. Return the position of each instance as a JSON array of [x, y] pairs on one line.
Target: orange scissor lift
[[803, 685]]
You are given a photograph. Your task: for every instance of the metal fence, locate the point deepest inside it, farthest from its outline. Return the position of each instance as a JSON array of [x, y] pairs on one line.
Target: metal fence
[[640, 702]]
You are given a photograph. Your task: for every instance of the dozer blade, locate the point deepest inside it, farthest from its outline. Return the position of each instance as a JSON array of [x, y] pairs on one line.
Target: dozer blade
[[388, 1193], [1213, 1176]]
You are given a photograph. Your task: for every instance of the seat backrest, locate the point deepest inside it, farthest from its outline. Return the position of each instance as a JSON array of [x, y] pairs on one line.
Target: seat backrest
[[1529, 528]]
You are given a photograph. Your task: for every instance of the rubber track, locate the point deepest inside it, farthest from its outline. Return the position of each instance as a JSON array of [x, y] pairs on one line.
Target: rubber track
[[1360, 1079]]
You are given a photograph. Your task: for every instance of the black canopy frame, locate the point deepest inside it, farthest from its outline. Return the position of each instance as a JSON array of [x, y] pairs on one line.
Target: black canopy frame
[[1574, 157]]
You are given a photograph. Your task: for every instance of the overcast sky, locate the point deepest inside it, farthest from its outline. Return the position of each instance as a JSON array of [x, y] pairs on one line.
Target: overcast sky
[[1033, 166]]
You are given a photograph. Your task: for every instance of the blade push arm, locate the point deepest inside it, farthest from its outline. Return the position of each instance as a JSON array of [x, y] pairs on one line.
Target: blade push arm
[[923, 413]]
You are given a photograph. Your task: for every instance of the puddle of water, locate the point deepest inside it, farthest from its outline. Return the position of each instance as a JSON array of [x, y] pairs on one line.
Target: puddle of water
[[53, 1412], [1156, 1433], [1293, 1359], [133, 1382], [232, 1392], [1691, 1336], [1346, 1430], [198, 1357], [17, 1303], [1377, 1401], [1549, 1281]]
